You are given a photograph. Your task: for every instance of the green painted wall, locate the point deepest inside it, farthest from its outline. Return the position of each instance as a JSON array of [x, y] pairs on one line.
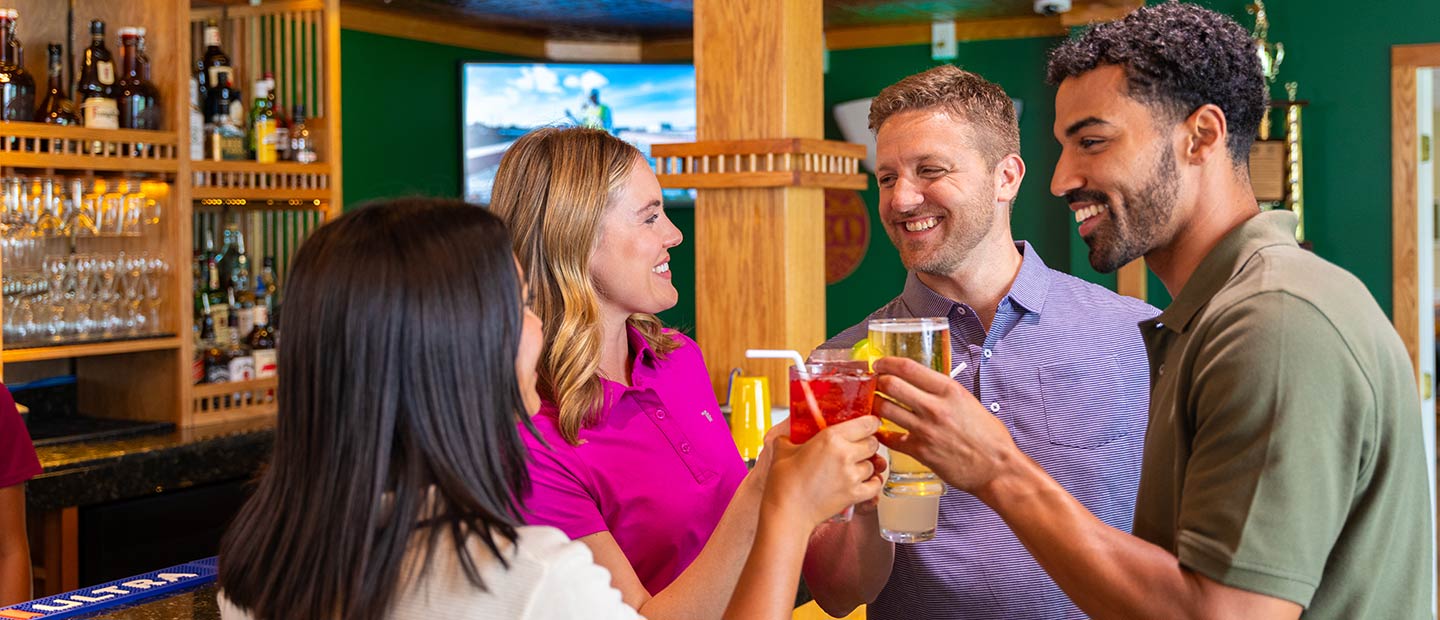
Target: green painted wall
[[405, 139], [1338, 51]]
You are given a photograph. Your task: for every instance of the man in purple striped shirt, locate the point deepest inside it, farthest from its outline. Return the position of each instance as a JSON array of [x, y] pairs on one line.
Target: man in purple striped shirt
[[1060, 361]]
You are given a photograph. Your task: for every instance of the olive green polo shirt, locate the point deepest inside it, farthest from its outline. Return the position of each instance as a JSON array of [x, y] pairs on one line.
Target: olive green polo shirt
[[1284, 453]]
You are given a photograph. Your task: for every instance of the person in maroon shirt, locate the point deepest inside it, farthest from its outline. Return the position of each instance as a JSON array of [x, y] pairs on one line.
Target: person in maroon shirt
[[18, 464]]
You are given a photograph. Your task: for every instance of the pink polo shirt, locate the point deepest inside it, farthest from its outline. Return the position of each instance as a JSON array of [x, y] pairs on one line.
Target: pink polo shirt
[[17, 454], [656, 470]]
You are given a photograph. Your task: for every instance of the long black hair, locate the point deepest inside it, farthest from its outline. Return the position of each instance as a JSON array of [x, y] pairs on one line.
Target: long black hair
[[398, 404]]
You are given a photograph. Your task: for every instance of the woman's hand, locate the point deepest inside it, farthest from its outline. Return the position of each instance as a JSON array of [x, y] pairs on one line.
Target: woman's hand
[[820, 478]]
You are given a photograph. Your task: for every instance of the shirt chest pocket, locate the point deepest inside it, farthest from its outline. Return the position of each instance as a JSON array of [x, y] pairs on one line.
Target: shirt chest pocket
[[1089, 405]]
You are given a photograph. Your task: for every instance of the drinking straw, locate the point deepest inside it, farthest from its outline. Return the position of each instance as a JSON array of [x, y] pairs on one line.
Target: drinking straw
[[800, 369]]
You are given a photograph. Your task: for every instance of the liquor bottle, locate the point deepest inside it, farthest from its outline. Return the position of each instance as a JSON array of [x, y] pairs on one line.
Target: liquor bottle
[[262, 344], [214, 361], [57, 108], [214, 294], [142, 57], [213, 67], [302, 145], [197, 124], [261, 141], [197, 363], [242, 294], [242, 365], [225, 257], [267, 289], [198, 275], [17, 86], [95, 91], [139, 100], [224, 139], [282, 134], [17, 48]]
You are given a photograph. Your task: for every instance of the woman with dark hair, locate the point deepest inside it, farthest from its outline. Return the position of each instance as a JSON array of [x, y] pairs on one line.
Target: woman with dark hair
[[398, 464]]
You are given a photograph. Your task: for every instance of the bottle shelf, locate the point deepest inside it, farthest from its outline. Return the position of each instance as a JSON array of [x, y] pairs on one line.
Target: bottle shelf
[[88, 349], [251, 180], [233, 400], [39, 145]]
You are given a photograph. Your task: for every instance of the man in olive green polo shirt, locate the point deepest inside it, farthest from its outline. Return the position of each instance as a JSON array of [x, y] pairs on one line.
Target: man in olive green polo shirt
[[1284, 472]]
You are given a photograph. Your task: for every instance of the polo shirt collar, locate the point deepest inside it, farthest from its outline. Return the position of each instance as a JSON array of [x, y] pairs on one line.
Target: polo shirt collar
[[1028, 291], [1266, 229], [644, 366], [643, 353]]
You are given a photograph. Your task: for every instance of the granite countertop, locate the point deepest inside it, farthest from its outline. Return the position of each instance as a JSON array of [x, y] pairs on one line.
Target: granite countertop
[[92, 472]]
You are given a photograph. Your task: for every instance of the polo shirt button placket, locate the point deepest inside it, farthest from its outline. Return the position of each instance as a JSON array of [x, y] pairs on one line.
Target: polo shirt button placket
[[994, 407], [987, 354], [659, 414], [685, 447]]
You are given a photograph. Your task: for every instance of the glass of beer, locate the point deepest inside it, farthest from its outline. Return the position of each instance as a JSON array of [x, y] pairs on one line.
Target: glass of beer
[[925, 340], [842, 390]]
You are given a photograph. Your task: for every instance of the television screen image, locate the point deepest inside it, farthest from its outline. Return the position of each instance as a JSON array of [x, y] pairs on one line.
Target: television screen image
[[643, 104]]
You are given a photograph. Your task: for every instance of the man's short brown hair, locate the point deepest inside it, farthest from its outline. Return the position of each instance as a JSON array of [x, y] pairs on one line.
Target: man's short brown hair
[[966, 97]]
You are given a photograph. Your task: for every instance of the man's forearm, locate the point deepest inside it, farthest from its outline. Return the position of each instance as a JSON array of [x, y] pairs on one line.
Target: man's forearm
[[847, 564], [1106, 572]]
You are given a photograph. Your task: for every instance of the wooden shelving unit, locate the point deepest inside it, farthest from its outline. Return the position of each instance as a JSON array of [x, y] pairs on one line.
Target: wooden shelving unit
[[87, 349], [278, 204]]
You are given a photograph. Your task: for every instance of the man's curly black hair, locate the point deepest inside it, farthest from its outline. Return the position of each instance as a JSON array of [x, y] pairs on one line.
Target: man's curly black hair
[[1177, 57]]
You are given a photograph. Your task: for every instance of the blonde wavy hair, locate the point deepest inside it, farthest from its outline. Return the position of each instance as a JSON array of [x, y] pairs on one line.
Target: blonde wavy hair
[[553, 186]]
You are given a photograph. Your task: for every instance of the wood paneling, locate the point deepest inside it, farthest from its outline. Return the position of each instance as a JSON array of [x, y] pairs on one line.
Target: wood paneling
[[760, 253], [662, 50]]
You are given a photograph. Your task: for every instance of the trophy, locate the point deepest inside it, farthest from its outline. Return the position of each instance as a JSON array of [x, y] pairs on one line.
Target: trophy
[[1294, 168], [1271, 55]]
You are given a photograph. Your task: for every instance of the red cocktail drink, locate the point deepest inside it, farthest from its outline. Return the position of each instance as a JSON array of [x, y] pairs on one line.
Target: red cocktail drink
[[843, 390]]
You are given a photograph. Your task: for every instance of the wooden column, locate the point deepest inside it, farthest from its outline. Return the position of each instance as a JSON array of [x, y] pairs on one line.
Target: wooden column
[[1131, 279], [760, 252]]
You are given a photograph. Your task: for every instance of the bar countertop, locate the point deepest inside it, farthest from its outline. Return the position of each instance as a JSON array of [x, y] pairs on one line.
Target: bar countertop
[[91, 472]]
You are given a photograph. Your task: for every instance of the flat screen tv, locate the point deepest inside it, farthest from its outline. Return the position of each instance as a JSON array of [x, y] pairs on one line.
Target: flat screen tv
[[643, 104]]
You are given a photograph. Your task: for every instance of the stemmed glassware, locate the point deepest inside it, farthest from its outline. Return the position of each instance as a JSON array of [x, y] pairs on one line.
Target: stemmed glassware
[[53, 294]]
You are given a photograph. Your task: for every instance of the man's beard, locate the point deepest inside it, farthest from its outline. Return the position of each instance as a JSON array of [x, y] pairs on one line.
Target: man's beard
[[971, 223], [1135, 227]]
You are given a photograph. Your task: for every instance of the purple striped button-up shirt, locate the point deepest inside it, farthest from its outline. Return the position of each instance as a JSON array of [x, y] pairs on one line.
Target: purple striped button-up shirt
[[1064, 366]]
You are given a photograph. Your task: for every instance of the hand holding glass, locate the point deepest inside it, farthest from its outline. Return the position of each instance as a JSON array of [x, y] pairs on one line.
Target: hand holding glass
[[841, 390], [909, 506]]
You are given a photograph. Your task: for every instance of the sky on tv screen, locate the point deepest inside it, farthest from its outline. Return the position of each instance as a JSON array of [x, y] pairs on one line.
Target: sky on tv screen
[[641, 104]]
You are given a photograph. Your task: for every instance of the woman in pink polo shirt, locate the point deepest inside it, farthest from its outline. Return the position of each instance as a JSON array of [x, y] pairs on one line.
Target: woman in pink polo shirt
[[17, 465], [637, 460]]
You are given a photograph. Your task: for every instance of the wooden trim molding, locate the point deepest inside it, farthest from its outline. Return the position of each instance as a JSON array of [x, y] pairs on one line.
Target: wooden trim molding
[[1404, 199], [784, 162], [402, 25], [405, 26], [1404, 61]]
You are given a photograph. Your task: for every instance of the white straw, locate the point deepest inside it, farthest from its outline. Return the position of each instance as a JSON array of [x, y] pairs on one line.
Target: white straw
[[781, 354], [801, 370]]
